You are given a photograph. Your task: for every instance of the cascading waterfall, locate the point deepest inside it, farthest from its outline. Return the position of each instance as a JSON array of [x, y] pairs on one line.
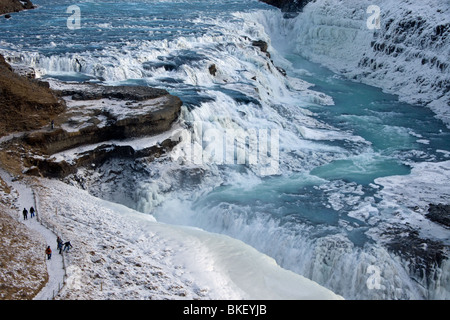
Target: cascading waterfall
[[319, 212]]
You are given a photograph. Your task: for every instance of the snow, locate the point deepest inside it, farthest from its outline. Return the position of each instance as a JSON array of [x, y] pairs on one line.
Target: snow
[[71, 155], [427, 183], [120, 253], [407, 56], [26, 199], [182, 262]]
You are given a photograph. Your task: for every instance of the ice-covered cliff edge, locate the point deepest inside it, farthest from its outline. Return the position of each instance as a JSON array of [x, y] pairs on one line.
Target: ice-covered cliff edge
[[407, 54]]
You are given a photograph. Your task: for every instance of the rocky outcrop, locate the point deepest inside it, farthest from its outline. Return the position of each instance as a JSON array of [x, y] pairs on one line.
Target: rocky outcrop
[[50, 117], [95, 158], [26, 104], [422, 257], [439, 213], [212, 69], [288, 5], [7, 6], [262, 45], [95, 92], [97, 115]]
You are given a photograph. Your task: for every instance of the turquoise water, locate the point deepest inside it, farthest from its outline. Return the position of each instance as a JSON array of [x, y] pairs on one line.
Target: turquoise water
[[315, 217], [394, 128]]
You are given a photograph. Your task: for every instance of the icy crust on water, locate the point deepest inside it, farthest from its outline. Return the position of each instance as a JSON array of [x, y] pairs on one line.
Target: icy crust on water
[[407, 56], [120, 253]]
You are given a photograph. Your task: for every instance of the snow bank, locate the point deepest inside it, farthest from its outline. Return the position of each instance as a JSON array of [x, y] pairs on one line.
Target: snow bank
[[120, 253]]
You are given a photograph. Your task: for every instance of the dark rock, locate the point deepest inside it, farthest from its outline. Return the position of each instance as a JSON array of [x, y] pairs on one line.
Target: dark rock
[[95, 92], [423, 256], [28, 5], [261, 45], [439, 213], [282, 71], [7, 6], [7, 16], [138, 111], [288, 6], [47, 167], [212, 69]]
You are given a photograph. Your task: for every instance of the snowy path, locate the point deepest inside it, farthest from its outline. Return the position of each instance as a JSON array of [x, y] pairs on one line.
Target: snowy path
[[55, 266]]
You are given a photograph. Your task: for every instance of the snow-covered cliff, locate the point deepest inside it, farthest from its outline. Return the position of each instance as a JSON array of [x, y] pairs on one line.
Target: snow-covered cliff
[[400, 46]]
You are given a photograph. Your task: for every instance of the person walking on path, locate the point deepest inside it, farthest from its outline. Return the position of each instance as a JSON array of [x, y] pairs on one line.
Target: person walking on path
[[32, 212], [48, 252], [25, 214], [59, 244], [67, 246]]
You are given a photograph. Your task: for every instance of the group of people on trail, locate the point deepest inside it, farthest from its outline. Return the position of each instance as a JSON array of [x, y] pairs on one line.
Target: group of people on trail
[[61, 245], [25, 213]]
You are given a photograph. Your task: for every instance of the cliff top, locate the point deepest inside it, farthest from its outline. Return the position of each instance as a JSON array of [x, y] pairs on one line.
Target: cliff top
[[25, 104]]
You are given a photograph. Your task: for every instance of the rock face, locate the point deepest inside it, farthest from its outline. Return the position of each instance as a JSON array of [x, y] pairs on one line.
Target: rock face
[[25, 104], [50, 117], [405, 55], [439, 213], [288, 5], [95, 116], [99, 113], [423, 258], [95, 92], [7, 6], [94, 158]]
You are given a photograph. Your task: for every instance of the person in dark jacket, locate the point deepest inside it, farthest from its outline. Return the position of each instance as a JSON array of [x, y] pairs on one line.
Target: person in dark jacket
[[59, 242], [32, 212], [67, 246], [25, 214]]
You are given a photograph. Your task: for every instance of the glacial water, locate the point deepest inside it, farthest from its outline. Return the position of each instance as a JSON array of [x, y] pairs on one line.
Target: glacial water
[[319, 214]]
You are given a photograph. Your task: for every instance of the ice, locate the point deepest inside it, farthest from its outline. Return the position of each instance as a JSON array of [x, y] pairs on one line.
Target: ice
[[25, 199], [427, 183]]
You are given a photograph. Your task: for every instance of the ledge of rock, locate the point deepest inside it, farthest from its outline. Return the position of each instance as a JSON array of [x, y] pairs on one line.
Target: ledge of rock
[[95, 116], [26, 104], [101, 113], [55, 168], [439, 213]]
